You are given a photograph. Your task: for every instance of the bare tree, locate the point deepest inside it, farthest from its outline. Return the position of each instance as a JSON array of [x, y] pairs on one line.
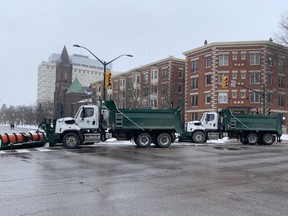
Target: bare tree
[[282, 36]]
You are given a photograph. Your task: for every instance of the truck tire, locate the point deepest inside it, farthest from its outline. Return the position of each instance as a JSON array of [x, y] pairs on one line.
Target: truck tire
[[252, 138], [71, 141], [143, 140], [268, 139], [198, 137], [164, 140], [243, 140]]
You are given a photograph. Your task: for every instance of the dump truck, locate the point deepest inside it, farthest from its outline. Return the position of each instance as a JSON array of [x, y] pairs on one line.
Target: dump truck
[[95, 123], [248, 128]]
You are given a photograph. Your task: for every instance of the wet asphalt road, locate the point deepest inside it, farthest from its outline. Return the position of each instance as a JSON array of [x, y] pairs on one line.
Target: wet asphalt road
[[111, 179]]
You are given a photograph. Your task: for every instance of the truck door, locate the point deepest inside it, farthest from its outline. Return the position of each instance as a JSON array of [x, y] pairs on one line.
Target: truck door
[[210, 121], [88, 118]]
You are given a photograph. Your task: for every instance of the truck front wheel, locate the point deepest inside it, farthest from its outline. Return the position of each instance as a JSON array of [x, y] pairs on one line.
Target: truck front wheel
[[252, 138], [71, 141], [143, 140], [198, 137], [164, 140]]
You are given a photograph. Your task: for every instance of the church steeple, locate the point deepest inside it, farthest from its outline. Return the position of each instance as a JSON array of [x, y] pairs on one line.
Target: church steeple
[[64, 58]]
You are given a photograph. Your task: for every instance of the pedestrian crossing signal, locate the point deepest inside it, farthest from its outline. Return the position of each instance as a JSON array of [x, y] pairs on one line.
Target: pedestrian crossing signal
[[224, 81]]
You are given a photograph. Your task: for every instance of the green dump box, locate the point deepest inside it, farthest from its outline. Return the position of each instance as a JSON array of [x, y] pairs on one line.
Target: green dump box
[[144, 119], [255, 128]]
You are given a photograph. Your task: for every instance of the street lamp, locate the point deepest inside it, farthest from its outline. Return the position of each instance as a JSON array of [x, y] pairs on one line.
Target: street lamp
[[104, 63]]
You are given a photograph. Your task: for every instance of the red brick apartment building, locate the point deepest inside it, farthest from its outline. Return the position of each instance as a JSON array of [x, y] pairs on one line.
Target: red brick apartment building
[[258, 65], [156, 85]]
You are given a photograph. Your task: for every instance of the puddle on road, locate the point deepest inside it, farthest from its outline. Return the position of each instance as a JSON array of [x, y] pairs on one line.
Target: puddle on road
[[230, 148]]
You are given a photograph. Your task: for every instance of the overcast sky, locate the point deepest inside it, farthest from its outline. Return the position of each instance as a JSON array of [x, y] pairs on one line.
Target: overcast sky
[[31, 30]]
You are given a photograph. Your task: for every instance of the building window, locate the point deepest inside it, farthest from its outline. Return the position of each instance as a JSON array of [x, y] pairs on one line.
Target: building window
[[208, 61], [164, 73], [243, 94], [255, 78], [154, 89], [145, 78], [243, 56], [122, 82], [164, 103], [180, 87], [269, 98], [208, 79], [180, 73], [243, 75], [138, 79], [281, 64], [154, 103], [223, 60], [123, 94], [234, 56], [269, 79], [270, 60], [234, 94], [145, 91], [207, 98], [255, 59], [194, 100], [194, 65], [164, 88], [145, 104], [154, 74], [254, 97], [234, 75], [281, 100], [194, 116], [223, 97], [281, 82], [194, 83]]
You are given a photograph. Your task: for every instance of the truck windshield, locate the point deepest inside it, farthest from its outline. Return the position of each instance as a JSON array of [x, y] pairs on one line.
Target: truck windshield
[[208, 117], [87, 112]]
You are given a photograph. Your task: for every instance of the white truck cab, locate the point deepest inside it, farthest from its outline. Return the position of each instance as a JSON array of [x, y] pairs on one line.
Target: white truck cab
[[208, 121], [87, 118]]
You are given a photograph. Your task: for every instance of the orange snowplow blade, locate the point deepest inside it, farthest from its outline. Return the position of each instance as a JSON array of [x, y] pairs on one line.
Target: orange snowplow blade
[[17, 139]]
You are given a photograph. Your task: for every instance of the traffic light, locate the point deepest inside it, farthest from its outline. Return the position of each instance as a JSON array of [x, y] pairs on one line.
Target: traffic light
[[224, 81], [108, 79]]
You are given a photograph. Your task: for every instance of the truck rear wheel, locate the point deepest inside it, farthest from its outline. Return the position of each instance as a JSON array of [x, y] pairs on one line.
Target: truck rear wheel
[[252, 138], [164, 140], [268, 139], [198, 137], [143, 140], [71, 141]]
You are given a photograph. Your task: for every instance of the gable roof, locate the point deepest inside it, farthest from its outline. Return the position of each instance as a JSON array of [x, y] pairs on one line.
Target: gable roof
[[76, 87]]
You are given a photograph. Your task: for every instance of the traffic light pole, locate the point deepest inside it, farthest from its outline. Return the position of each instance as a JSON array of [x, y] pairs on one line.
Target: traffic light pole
[[263, 93], [104, 81], [104, 63]]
